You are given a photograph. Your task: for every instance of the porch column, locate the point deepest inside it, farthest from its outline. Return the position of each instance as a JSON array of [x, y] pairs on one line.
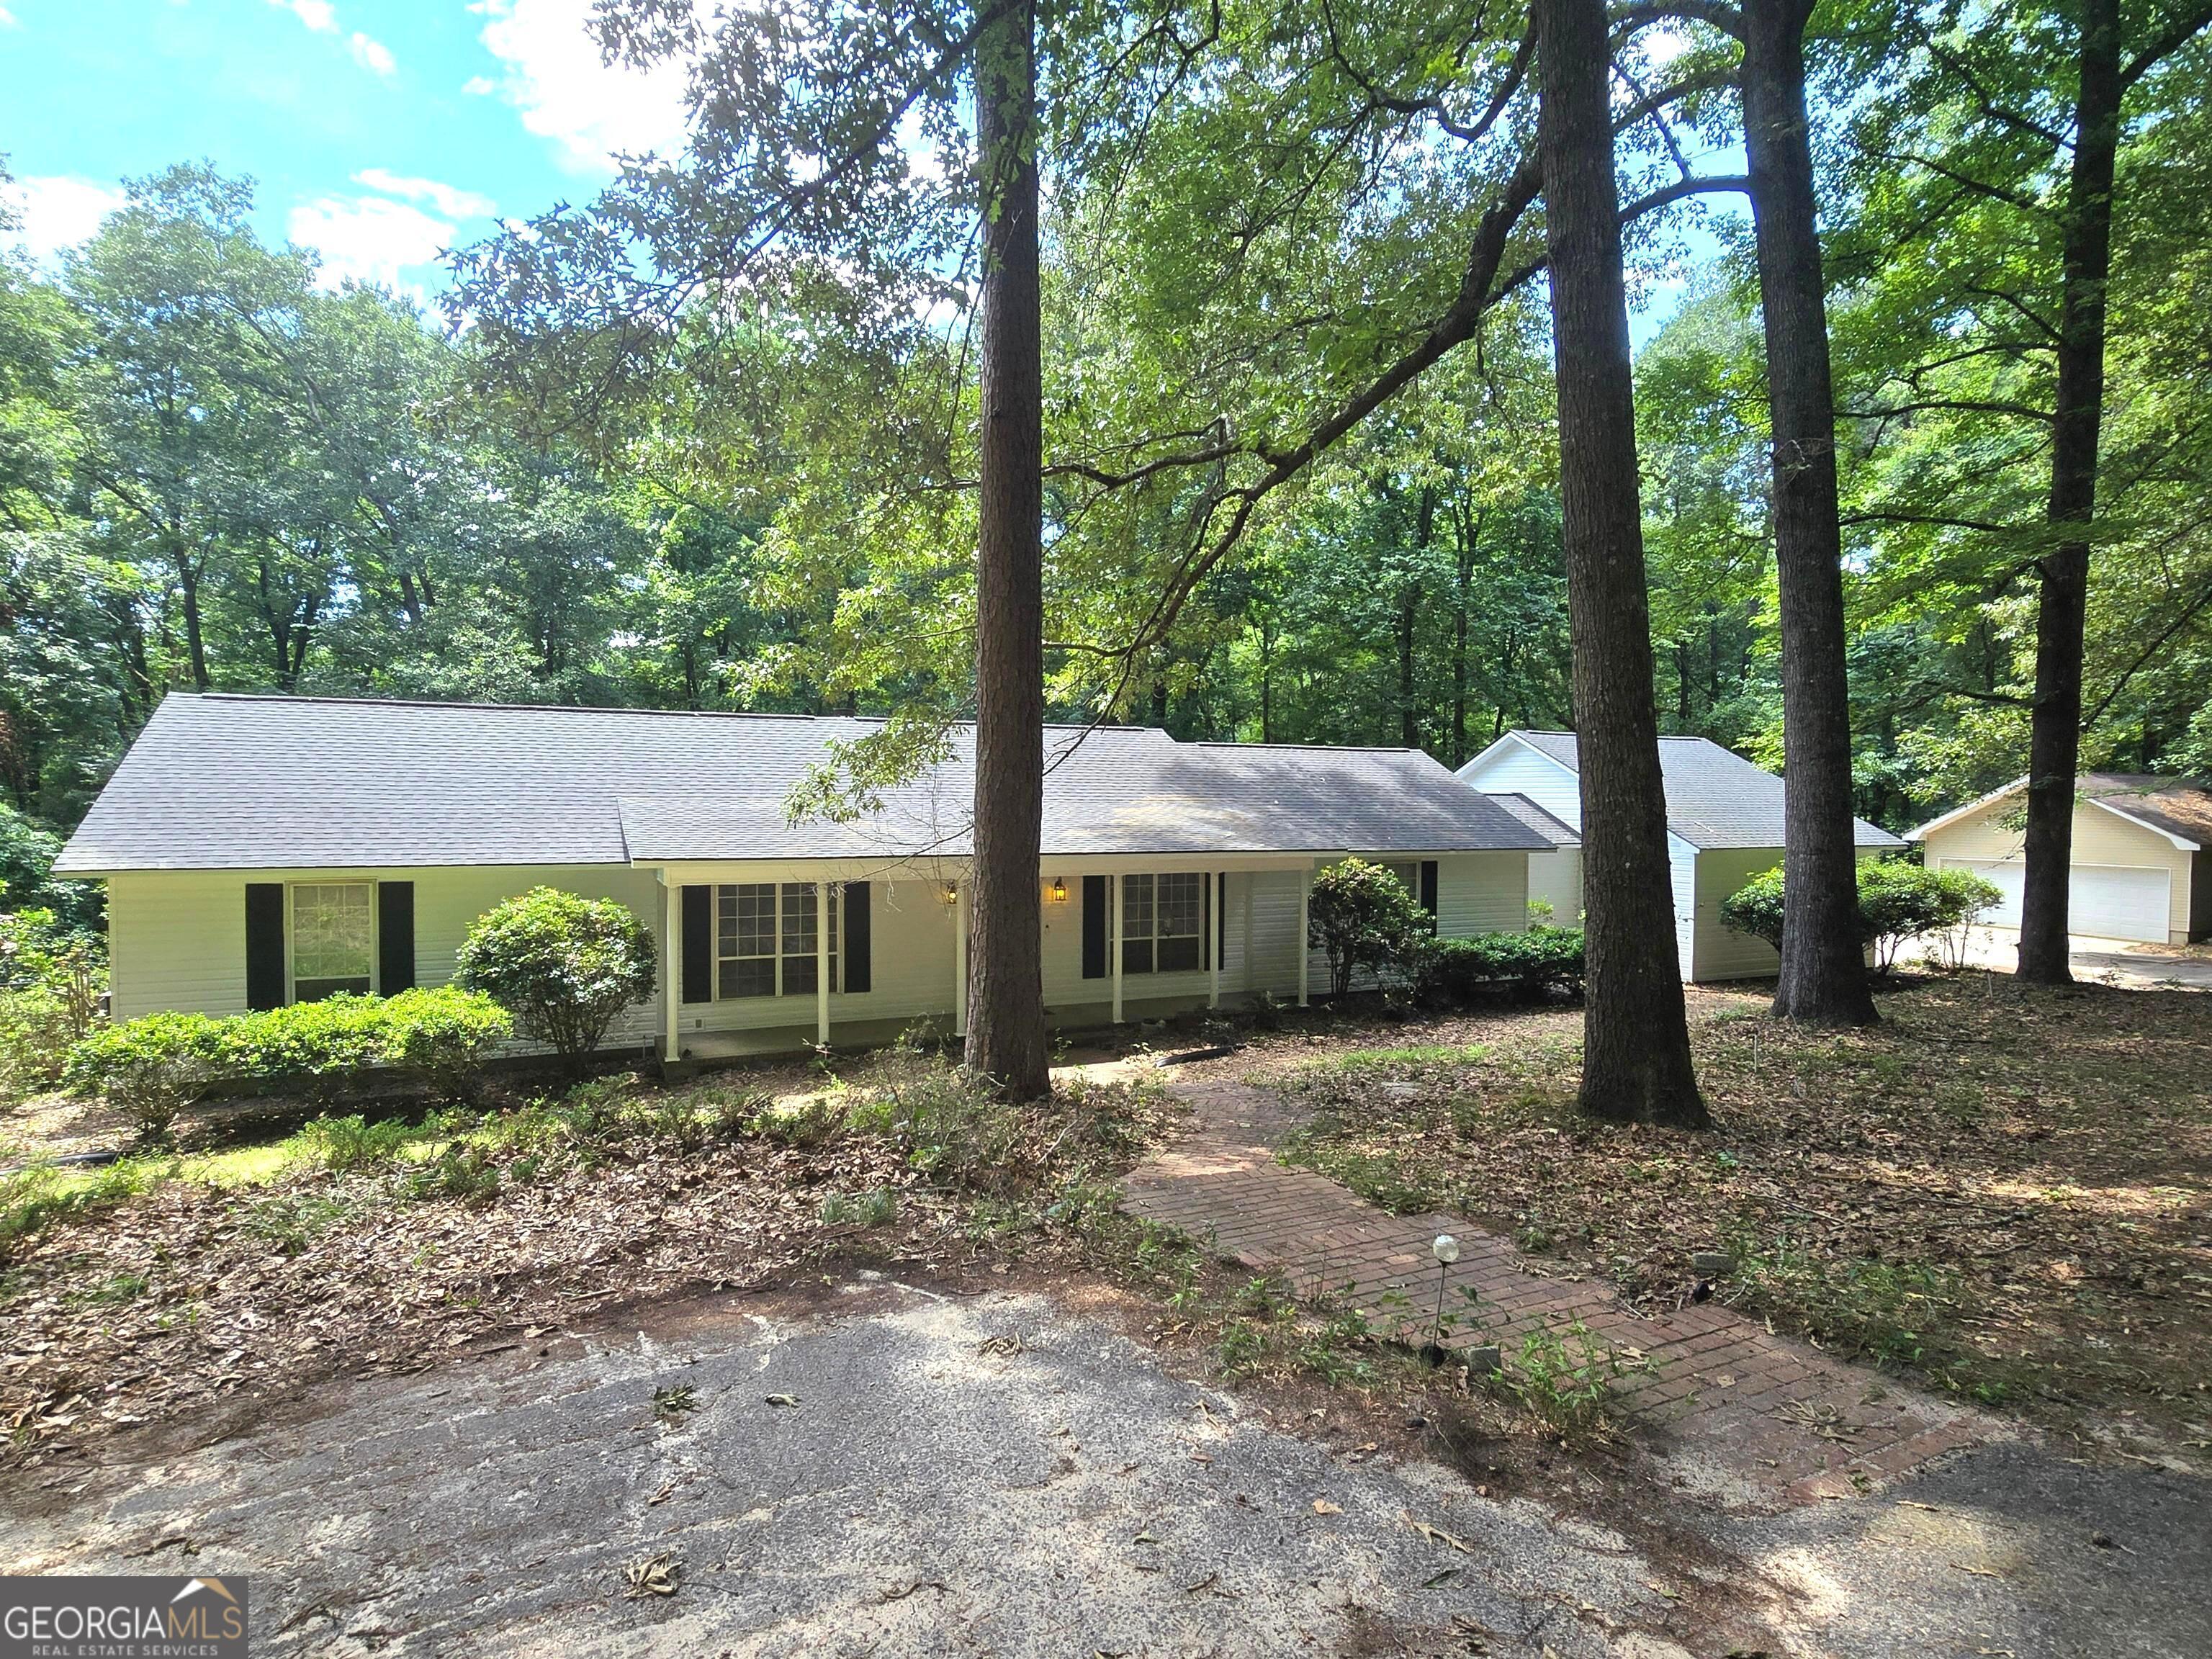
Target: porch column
[[1217, 931], [960, 958], [822, 964], [1114, 937], [671, 1045], [1305, 918]]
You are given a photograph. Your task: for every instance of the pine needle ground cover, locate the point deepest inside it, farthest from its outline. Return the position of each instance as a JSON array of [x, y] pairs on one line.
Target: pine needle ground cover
[[2004, 1190], [200, 1283]]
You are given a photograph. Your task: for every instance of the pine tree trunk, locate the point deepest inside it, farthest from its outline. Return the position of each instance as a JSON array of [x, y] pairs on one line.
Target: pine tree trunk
[[1636, 1045], [1006, 992], [1824, 979], [2054, 744]]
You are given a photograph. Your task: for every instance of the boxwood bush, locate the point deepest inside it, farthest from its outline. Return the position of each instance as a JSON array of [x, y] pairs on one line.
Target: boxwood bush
[[1524, 966], [564, 965], [154, 1068]]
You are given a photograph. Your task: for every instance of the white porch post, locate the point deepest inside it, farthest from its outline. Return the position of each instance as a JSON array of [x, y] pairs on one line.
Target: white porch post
[[1114, 938], [1217, 930], [822, 964], [960, 959], [1305, 918], [671, 1047]]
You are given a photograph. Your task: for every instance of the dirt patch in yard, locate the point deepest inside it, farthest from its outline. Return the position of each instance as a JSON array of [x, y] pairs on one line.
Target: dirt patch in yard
[[2003, 1187]]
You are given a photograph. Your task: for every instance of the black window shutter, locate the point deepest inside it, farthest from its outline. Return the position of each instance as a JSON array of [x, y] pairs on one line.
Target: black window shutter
[[395, 937], [858, 968], [698, 914], [1429, 885], [1094, 927], [1206, 923], [264, 944], [1219, 932]]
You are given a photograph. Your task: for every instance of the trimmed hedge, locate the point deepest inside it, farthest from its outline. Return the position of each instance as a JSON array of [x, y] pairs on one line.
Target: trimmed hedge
[[1525, 965], [154, 1068]]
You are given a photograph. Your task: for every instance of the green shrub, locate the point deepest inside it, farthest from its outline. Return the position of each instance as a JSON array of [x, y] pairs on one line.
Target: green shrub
[[1526, 966], [447, 1035], [1898, 903], [356, 1143], [149, 1069], [51, 978], [154, 1068], [1366, 920], [565, 966]]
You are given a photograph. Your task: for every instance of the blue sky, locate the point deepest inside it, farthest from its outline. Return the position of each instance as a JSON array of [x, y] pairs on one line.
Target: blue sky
[[379, 132]]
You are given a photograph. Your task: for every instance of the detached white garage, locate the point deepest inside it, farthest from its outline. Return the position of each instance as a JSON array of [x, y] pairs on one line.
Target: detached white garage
[[1724, 827], [2140, 869]]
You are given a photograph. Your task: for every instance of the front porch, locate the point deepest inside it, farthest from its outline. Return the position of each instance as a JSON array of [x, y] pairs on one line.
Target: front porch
[[761, 958]]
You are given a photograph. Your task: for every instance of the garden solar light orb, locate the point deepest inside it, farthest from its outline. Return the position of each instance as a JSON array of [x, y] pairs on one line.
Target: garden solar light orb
[[1445, 1248]]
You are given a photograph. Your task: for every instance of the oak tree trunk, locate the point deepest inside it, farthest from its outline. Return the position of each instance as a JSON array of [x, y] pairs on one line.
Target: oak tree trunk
[[2055, 721], [1824, 979], [1006, 992], [1636, 1048]]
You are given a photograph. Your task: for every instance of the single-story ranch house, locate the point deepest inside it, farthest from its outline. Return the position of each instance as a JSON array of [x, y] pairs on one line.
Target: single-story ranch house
[[2141, 867], [1724, 827], [260, 850]]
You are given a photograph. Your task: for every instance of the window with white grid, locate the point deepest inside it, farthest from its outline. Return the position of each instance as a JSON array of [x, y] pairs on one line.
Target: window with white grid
[[765, 939], [1163, 923]]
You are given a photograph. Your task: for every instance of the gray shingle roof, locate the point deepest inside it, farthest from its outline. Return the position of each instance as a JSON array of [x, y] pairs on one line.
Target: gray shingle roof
[[265, 782], [1715, 798], [1557, 832]]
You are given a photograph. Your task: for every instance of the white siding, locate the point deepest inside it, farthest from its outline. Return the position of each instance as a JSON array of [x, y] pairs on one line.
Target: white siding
[[1556, 878], [1682, 878], [1517, 769], [2100, 840], [1722, 953], [910, 969], [177, 938]]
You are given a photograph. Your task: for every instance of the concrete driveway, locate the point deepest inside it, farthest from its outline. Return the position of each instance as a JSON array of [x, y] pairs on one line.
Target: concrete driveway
[[899, 1472], [891, 1470], [2117, 960]]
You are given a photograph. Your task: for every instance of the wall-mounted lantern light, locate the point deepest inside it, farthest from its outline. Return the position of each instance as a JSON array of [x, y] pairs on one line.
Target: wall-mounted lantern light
[[952, 893], [1058, 891]]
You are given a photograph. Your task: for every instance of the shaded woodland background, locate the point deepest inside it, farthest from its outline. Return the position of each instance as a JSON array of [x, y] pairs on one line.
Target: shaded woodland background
[[218, 472]]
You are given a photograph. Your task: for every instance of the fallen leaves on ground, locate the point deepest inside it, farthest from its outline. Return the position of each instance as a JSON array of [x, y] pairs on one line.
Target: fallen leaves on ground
[[187, 1295], [2001, 1186]]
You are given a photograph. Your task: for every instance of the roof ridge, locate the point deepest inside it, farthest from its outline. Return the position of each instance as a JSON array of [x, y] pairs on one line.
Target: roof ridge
[[357, 700], [1306, 748]]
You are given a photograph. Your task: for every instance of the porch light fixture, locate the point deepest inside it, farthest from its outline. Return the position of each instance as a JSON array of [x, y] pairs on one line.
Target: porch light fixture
[[1059, 890], [952, 893]]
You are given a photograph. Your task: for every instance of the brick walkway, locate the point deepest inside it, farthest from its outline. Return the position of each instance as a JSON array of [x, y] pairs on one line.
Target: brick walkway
[[1744, 1415]]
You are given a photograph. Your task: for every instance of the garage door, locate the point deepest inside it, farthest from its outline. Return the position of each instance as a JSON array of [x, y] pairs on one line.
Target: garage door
[[2118, 901], [2107, 900]]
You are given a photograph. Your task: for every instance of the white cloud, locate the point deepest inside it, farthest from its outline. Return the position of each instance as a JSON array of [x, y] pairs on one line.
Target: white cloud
[[371, 238], [8, 18], [54, 213], [449, 200], [321, 17], [318, 15], [553, 77], [371, 55]]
